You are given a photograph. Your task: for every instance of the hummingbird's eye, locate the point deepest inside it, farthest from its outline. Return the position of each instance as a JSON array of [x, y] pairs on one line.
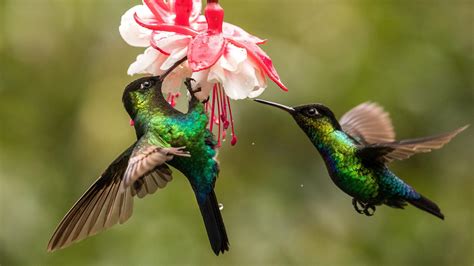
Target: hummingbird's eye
[[312, 112], [146, 85]]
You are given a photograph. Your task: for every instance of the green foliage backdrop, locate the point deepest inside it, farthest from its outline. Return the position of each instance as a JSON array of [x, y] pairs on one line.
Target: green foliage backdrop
[[62, 73]]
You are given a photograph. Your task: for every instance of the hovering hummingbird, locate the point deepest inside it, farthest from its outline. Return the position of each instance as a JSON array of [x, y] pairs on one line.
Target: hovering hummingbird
[[165, 136], [358, 148]]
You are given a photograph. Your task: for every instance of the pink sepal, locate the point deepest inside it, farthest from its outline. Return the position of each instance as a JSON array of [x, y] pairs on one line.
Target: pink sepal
[[239, 34], [155, 25], [262, 59], [158, 8]]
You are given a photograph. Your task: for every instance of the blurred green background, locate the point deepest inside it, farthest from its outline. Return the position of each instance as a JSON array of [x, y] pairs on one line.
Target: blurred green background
[[63, 70]]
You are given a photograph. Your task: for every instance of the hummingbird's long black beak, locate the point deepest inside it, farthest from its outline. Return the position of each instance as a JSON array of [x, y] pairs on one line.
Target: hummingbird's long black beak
[[167, 72], [290, 110]]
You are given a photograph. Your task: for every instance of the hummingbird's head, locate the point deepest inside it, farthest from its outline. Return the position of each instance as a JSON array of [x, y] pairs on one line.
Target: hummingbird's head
[[141, 94], [310, 117], [145, 93]]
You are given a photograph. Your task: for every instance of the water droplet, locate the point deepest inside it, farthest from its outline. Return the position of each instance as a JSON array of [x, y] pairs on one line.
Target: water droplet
[[221, 206], [253, 143], [301, 185]]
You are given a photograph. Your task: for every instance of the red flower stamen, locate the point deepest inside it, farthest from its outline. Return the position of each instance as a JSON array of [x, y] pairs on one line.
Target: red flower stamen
[[224, 118], [219, 107], [211, 120], [234, 137]]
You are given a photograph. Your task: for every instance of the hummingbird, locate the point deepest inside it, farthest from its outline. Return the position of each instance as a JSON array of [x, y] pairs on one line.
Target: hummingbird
[[165, 137], [356, 150]]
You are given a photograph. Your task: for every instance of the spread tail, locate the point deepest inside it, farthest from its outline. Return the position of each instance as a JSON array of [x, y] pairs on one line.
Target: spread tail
[[427, 205], [214, 224]]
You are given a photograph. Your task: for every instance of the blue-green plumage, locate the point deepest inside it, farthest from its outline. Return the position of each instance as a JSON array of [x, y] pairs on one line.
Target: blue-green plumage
[[161, 125], [165, 136], [356, 151]]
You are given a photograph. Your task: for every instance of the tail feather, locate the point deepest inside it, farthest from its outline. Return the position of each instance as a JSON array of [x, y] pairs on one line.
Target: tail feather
[[427, 205], [214, 224]]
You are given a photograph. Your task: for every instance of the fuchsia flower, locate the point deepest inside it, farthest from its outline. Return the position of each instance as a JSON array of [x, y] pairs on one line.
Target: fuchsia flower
[[225, 60]]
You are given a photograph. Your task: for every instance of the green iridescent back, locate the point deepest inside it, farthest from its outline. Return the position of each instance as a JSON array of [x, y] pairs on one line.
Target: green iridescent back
[[339, 153], [189, 130]]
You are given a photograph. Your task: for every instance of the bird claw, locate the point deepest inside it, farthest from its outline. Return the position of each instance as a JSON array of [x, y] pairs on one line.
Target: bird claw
[[181, 151], [356, 204], [369, 210], [363, 208], [187, 82]]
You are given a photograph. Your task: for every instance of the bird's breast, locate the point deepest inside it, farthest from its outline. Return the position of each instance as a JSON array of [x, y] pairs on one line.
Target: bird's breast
[[351, 176]]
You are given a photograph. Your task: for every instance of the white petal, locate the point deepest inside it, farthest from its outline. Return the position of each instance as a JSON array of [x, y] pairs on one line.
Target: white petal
[[131, 32], [147, 63], [256, 92], [242, 84], [233, 57], [174, 57], [201, 82], [175, 79], [169, 41]]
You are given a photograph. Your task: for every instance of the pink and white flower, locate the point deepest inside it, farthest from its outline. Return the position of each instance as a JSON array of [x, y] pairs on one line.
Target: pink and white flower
[[225, 60]]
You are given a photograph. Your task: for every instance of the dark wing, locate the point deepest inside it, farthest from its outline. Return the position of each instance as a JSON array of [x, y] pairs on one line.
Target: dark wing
[[110, 199], [99, 208], [368, 123], [400, 150]]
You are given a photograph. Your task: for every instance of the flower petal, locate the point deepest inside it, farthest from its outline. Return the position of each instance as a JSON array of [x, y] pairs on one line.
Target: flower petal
[[262, 59], [174, 57], [239, 85], [233, 56], [166, 42], [202, 82], [205, 50], [131, 32], [174, 80], [147, 63]]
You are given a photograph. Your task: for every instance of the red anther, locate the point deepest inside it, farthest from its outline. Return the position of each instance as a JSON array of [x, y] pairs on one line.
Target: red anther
[[226, 124], [233, 141], [132, 123]]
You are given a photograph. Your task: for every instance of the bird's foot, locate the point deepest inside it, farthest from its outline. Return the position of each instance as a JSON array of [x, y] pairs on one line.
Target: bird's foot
[[358, 206], [369, 210], [187, 82]]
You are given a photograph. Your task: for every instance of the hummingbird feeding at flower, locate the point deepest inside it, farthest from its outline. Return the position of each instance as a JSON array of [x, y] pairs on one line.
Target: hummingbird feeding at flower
[[165, 136], [357, 149]]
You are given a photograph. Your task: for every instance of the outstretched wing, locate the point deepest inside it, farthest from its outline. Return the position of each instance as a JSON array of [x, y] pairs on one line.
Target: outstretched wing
[[400, 150], [368, 123], [140, 170]]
